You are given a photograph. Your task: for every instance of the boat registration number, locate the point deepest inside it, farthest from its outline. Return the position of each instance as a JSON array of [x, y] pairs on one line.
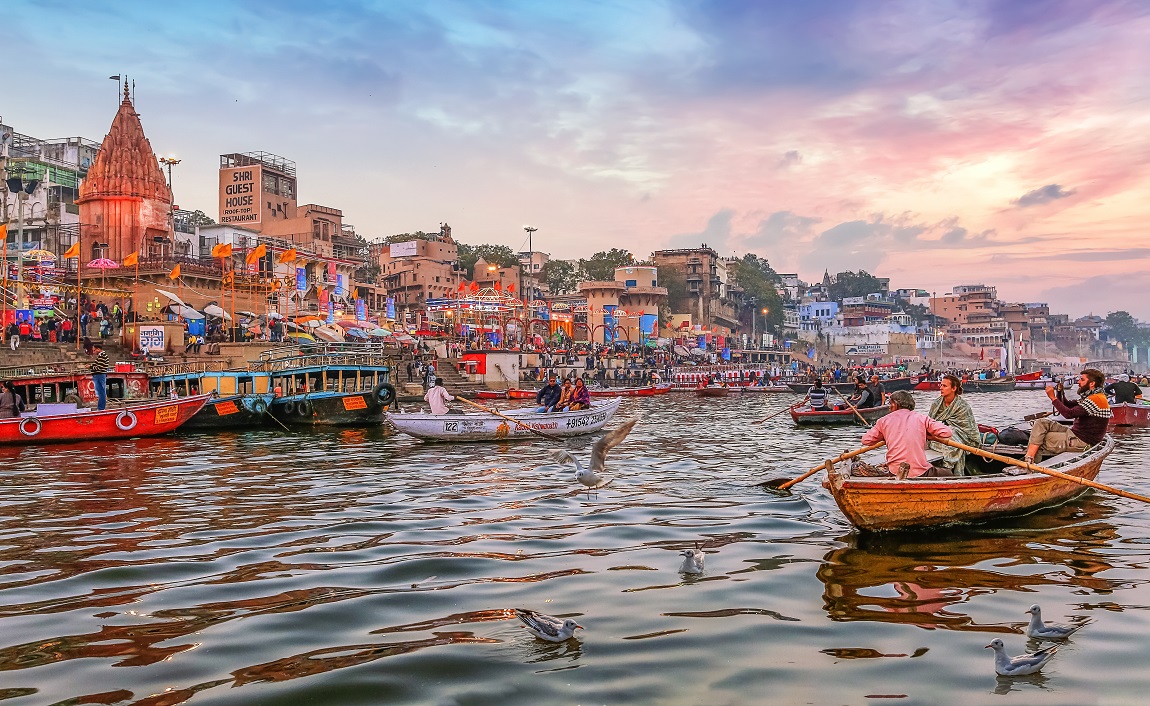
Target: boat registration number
[[586, 421], [166, 415], [357, 402], [225, 408]]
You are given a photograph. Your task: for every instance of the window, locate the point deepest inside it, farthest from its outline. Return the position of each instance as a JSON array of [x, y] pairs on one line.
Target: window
[[631, 283]]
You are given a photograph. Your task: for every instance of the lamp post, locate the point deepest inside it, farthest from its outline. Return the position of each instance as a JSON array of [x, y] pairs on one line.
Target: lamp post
[[22, 189], [171, 161]]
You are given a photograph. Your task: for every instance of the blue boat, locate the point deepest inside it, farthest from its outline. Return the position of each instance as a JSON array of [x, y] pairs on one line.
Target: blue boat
[[242, 397], [331, 384]]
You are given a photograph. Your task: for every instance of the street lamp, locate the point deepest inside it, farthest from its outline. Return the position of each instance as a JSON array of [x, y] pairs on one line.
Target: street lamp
[[22, 189], [171, 161]]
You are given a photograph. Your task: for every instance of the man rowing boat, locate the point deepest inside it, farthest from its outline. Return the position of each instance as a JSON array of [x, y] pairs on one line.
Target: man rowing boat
[[905, 435]]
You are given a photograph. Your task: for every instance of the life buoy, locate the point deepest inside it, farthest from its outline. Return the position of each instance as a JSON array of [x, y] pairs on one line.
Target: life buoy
[[35, 429], [90, 386], [289, 407], [125, 421], [383, 393], [304, 408], [259, 406]]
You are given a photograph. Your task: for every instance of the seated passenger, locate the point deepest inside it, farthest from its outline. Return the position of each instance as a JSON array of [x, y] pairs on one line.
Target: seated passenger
[[954, 411], [580, 397], [817, 395], [905, 434]]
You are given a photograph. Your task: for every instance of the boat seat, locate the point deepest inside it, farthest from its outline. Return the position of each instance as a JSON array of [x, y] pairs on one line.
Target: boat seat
[[1059, 458]]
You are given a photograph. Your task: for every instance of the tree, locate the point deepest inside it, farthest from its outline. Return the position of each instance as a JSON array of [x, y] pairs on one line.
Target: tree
[[404, 237], [760, 285], [854, 284], [677, 300], [600, 267], [494, 254], [199, 218], [561, 276], [1123, 327]]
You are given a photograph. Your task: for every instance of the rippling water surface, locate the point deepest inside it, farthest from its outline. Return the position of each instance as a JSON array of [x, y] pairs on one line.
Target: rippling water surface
[[362, 567]]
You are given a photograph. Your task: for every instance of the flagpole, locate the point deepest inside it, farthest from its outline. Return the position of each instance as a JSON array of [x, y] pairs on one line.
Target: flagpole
[[4, 302], [79, 287]]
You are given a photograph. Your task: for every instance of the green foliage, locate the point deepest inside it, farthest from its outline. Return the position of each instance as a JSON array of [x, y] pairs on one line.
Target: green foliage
[[561, 276], [760, 285], [199, 218], [494, 254], [601, 266], [677, 299], [1121, 326], [854, 284], [404, 237]]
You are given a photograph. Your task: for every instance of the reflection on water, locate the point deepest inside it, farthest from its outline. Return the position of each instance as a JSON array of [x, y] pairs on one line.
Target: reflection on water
[[363, 567]]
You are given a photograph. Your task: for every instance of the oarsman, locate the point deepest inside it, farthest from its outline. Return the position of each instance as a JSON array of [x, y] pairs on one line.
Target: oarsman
[[1090, 412], [1124, 391], [817, 395], [905, 434]]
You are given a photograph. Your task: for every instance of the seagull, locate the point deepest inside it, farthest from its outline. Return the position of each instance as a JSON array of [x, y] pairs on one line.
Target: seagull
[[1022, 664], [692, 560], [590, 476], [547, 627], [1044, 631]]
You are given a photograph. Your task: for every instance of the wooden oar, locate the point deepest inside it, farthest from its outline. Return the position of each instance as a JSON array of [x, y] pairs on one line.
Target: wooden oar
[[513, 420], [1040, 469], [784, 484], [853, 408], [780, 411]]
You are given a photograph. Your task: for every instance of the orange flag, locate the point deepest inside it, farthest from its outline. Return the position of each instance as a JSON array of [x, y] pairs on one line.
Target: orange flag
[[511, 288], [175, 273], [222, 250], [4, 231], [287, 256], [474, 287], [498, 287], [73, 251], [255, 255], [132, 259]]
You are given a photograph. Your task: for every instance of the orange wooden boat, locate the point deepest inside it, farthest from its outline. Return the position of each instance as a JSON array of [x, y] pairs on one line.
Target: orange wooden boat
[[712, 391], [890, 504]]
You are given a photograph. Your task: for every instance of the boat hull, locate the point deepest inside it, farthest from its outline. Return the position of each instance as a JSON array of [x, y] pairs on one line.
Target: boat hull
[[129, 421], [232, 412], [518, 394], [712, 392], [890, 504], [343, 409], [1130, 415], [491, 394], [890, 385], [650, 391], [843, 417], [1000, 385], [487, 427]]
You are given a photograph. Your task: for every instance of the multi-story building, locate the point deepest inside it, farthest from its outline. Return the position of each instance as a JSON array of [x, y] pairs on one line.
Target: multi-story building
[[815, 315], [625, 308], [705, 274], [531, 263], [505, 279], [415, 270], [858, 311], [964, 302]]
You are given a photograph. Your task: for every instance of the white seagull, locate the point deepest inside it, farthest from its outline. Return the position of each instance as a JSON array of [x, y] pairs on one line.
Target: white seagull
[[1022, 664], [692, 560], [547, 627], [1048, 631], [590, 477]]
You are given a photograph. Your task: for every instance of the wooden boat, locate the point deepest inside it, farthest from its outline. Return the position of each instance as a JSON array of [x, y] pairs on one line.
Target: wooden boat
[[928, 385], [890, 385], [1005, 384], [1036, 384], [521, 394], [491, 394], [807, 416], [240, 398], [712, 391], [1029, 377], [488, 427], [64, 422], [335, 385], [1130, 415], [891, 504], [72, 383], [649, 391]]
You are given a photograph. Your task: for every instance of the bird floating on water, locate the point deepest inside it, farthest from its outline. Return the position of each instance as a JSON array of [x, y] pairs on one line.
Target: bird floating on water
[[589, 477], [547, 627], [1021, 665], [1048, 631], [692, 560]]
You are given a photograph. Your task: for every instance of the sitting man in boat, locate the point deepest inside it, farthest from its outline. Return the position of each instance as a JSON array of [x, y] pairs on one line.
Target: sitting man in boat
[[877, 391], [1090, 412], [905, 434], [438, 397], [548, 395], [1124, 391], [11, 402], [862, 398], [817, 395], [952, 410]]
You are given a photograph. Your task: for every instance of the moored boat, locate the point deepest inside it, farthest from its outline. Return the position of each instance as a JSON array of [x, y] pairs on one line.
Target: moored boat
[[764, 388], [491, 394], [712, 391], [488, 427], [807, 416], [521, 394], [72, 383], [65, 423], [346, 385], [891, 504], [649, 391], [890, 385], [1005, 384], [240, 398], [1129, 415]]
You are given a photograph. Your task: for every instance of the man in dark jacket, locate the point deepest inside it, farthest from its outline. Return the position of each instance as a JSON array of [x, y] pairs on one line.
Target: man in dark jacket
[[1124, 391], [548, 395]]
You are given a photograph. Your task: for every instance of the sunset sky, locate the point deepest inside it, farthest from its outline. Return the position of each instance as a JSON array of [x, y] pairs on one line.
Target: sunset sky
[[932, 142]]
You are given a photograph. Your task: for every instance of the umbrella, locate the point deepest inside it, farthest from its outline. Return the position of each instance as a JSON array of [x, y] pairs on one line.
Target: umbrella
[[250, 314], [356, 333], [184, 311], [40, 255], [169, 295], [103, 263], [329, 333], [216, 311], [347, 324], [275, 315], [380, 332], [307, 319], [313, 323], [297, 337]]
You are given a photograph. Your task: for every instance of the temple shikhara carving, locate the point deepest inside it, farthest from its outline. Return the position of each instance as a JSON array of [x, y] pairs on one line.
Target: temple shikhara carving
[[125, 201]]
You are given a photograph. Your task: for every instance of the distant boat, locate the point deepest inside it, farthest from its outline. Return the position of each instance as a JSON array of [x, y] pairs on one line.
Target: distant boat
[[489, 427], [806, 416]]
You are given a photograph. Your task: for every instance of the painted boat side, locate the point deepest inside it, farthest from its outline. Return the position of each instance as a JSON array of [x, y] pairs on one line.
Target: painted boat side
[[232, 412], [846, 417], [129, 421], [1130, 415], [484, 427]]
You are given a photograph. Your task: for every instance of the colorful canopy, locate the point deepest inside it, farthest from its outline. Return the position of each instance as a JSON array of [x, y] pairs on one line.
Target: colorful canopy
[[40, 255], [103, 263]]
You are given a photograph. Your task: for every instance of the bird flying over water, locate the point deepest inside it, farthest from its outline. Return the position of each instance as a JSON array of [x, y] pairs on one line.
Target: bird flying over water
[[1048, 631], [692, 560], [1021, 665], [590, 477], [547, 627]]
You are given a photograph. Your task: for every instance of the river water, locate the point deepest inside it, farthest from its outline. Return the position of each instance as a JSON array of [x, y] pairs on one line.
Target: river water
[[363, 567]]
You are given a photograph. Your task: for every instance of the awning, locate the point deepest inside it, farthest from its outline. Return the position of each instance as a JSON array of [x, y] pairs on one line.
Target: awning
[[184, 311], [216, 311], [171, 296]]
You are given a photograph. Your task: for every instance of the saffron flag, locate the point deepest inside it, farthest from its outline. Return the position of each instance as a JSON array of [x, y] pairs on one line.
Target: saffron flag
[[474, 287], [511, 288], [222, 250], [175, 273], [498, 287], [287, 256], [255, 255], [132, 259], [4, 231], [73, 251], [462, 286]]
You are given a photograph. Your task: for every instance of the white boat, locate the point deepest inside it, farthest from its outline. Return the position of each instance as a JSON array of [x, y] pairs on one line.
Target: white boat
[[480, 426]]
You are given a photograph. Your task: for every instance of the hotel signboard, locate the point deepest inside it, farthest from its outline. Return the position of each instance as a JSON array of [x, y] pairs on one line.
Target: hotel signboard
[[240, 195]]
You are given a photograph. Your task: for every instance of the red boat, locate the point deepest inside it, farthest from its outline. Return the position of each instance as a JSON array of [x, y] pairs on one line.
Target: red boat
[[73, 383], [928, 385], [649, 391], [517, 394], [491, 394], [1130, 415], [1025, 377], [129, 421]]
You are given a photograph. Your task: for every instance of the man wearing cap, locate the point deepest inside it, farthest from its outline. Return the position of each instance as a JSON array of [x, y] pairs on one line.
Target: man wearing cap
[[1124, 391]]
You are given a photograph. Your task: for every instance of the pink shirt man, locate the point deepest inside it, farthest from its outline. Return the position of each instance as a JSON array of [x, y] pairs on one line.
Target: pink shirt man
[[438, 398], [905, 435]]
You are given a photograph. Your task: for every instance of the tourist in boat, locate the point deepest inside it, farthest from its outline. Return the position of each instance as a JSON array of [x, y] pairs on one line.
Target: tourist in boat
[[1090, 412], [954, 411], [438, 397], [877, 391], [862, 398], [11, 402], [580, 396], [905, 434], [548, 395], [1124, 391], [566, 394], [817, 395]]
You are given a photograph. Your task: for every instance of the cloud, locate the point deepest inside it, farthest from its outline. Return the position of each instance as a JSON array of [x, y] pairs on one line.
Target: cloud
[[1048, 193], [714, 235], [790, 159], [1101, 295]]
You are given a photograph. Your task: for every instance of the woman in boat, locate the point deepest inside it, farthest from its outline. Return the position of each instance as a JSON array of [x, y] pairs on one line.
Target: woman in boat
[[952, 410], [566, 392], [581, 397]]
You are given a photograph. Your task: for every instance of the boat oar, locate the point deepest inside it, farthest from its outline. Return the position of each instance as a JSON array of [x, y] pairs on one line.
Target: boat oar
[[780, 411], [785, 484], [853, 408], [1040, 469], [513, 420]]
